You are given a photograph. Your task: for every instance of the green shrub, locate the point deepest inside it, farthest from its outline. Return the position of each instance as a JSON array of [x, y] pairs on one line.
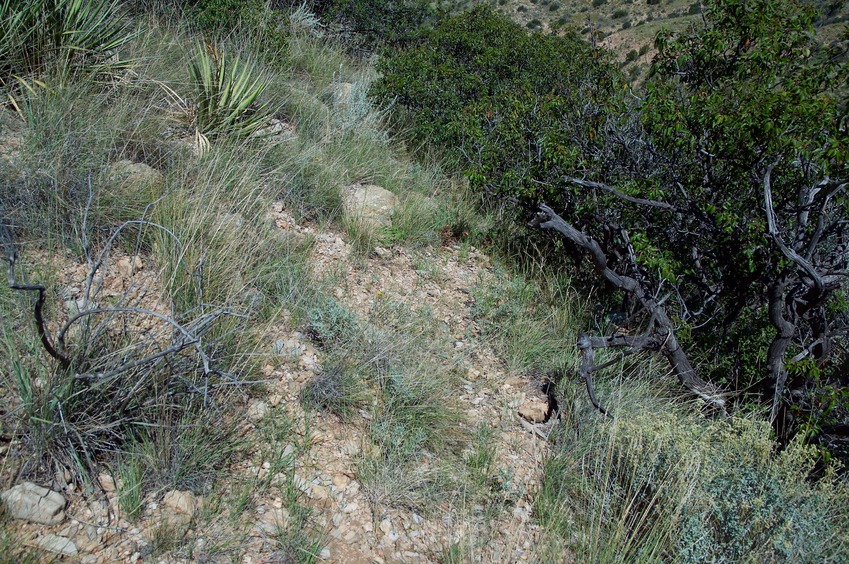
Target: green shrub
[[620, 14], [478, 66], [222, 15], [597, 3], [666, 485], [565, 118], [379, 22], [331, 323]]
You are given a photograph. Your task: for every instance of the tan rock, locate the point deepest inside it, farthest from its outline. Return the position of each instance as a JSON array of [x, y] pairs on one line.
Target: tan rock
[[33, 503], [370, 204], [341, 94], [319, 493], [534, 410], [341, 481], [128, 266], [106, 482], [134, 175], [257, 410], [183, 502], [515, 382], [386, 526], [277, 518]]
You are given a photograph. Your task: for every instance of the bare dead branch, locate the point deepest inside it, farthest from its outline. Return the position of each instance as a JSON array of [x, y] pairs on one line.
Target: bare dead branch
[[38, 314], [618, 193], [660, 330], [776, 236]]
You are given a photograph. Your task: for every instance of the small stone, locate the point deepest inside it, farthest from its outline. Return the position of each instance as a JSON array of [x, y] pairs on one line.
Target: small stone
[[385, 526], [128, 266], [106, 482], [534, 411], [183, 502], [257, 410], [34, 503], [278, 518], [59, 545], [341, 481], [370, 204], [325, 553], [382, 253], [320, 493], [302, 484], [515, 382], [134, 175]]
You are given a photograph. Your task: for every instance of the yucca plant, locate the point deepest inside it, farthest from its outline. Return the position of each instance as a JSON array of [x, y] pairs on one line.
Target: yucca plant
[[74, 33], [226, 89]]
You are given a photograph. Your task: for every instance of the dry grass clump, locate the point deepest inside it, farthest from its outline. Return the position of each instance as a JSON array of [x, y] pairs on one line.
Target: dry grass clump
[[660, 482]]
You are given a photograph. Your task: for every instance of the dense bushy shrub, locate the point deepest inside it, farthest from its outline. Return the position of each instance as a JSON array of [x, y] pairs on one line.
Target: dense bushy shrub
[[668, 487], [480, 69], [723, 184], [222, 15], [380, 21]]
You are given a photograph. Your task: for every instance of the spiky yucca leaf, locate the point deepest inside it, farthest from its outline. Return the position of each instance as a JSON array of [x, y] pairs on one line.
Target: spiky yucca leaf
[[76, 33], [226, 89]]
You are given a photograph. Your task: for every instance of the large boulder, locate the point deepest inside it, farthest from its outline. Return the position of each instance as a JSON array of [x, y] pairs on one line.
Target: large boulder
[[34, 503], [370, 204]]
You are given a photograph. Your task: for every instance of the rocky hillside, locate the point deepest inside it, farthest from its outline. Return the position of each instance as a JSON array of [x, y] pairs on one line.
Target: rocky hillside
[[246, 322]]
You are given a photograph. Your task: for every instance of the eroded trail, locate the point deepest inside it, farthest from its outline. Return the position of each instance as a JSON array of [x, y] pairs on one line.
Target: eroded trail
[[473, 503], [360, 527]]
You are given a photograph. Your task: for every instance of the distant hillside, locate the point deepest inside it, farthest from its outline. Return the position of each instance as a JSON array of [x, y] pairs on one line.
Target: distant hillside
[[628, 27]]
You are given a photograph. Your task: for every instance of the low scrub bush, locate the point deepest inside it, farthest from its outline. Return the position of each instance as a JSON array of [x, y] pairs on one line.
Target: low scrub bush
[[378, 22], [665, 485], [564, 137]]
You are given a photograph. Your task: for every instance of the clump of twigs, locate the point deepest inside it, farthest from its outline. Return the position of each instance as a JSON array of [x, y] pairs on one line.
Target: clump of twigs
[[115, 368]]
